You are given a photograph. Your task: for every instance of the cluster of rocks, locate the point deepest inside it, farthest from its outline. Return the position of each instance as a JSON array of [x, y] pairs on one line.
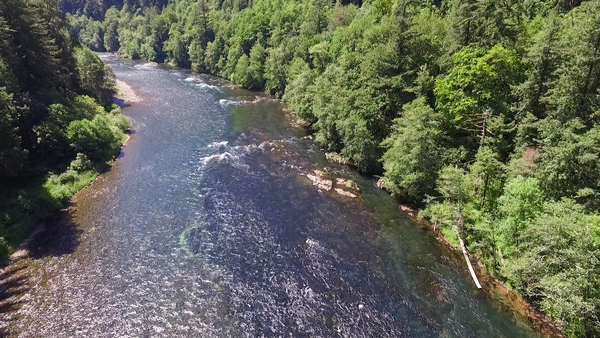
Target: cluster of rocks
[[342, 186]]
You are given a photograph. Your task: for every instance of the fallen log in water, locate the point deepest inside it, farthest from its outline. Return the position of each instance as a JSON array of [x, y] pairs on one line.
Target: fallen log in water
[[464, 250]]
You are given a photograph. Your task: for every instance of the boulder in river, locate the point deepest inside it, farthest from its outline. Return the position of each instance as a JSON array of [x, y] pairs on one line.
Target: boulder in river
[[381, 183], [345, 193], [319, 181]]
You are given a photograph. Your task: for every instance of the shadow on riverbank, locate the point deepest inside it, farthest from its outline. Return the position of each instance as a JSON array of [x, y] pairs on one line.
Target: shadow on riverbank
[[59, 236]]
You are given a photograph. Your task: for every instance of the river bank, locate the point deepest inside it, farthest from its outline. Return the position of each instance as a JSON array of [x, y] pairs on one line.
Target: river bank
[[125, 94], [49, 198], [492, 286], [54, 235], [509, 299], [95, 142]]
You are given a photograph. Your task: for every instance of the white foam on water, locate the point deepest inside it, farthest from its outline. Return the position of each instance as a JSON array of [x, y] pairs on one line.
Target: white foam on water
[[218, 158], [312, 242], [224, 158], [262, 147], [233, 155], [218, 145], [256, 100], [224, 102], [207, 86], [201, 84], [147, 65]]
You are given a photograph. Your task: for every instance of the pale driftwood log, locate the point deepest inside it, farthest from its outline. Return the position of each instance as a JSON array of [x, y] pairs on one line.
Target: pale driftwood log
[[464, 250]]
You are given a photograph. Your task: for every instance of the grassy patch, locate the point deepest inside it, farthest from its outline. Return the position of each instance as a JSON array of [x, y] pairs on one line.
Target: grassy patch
[[450, 235], [25, 206], [64, 186], [23, 210]]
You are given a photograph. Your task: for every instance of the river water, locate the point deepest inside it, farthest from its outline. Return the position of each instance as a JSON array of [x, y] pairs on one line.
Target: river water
[[208, 226]]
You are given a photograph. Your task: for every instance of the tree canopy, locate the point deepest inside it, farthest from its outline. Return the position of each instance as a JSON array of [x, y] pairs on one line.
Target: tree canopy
[[50, 87]]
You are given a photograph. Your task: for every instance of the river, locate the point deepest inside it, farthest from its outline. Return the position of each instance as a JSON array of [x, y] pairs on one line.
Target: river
[[209, 226]]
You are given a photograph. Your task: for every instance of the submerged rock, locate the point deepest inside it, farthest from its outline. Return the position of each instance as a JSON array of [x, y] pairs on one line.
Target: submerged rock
[[350, 184], [345, 193], [347, 188], [381, 183], [409, 210], [319, 181]]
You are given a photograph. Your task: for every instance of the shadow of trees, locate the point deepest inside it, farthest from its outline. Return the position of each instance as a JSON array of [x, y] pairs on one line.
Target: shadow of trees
[[59, 236], [120, 102], [14, 283]]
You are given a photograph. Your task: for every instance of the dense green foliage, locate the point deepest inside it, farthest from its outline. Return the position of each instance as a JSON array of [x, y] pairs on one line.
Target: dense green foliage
[[56, 134], [484, 111]]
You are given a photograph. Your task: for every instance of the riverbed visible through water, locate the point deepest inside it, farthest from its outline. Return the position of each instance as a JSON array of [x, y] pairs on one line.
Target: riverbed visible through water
[[210, 225]]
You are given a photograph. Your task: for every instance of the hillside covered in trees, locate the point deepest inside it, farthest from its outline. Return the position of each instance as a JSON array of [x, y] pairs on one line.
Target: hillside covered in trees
[[483, 112], [58, 127]]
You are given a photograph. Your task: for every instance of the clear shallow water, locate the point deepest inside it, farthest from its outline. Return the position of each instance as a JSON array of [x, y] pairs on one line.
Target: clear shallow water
[[208, 227]]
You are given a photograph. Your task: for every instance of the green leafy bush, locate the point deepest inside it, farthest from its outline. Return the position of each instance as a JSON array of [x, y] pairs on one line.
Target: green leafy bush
[[64, 186], [98, 139]]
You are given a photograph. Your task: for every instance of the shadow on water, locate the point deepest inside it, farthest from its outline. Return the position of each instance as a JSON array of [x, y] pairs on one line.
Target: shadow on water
[[14, 283], [59, 238], [120, 102]]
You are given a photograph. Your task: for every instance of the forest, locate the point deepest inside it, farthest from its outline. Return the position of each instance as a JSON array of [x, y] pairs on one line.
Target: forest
[[483, 113], [58, 126]]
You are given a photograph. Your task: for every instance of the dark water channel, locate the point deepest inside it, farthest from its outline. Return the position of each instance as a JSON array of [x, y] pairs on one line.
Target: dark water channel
[[207, 226]]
